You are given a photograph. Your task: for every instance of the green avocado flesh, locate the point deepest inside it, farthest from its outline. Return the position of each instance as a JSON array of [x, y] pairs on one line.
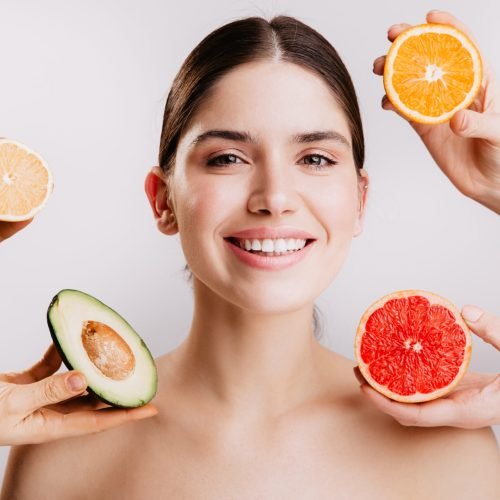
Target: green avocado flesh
[[94, 339]]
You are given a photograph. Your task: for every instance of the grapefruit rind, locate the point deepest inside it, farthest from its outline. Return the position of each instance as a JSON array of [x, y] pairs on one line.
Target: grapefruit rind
[[417, 397], [49, 186], [391, 92]]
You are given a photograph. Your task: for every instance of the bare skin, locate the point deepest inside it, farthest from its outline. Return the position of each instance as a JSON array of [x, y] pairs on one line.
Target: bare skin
[[333, 444]]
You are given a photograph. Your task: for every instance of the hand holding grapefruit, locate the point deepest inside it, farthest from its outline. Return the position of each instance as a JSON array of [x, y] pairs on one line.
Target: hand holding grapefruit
[[473, 404], [413, 346]]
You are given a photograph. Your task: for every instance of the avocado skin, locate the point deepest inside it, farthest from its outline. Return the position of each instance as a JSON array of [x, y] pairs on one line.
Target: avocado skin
[[68, 365]]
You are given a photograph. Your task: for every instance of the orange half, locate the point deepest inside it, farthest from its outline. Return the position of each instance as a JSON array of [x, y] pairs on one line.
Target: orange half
[[432, 71], [25, 181]]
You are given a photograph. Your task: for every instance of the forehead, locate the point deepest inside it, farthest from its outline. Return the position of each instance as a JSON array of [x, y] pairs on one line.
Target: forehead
[[272, 100]]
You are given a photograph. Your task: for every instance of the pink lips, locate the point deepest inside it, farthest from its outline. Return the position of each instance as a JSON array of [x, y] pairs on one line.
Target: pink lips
[[269, 263]]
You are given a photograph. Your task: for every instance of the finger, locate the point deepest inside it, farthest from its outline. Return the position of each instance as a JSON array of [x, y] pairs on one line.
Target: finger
[[86, 422], [468, 123], [78, 403], [443, 17], [420, 128], [483, 324], [378, 65], [359, 375], [48, 365], [396, 29], [24, 399], [428, 414], [387, 105], [8, 229]]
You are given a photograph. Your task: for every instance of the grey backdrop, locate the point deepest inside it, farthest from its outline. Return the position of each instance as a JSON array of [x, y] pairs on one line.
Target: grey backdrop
[[85, 83]]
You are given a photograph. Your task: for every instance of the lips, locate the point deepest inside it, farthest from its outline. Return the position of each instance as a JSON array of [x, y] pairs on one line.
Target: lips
[[269, 262], [272, 233]]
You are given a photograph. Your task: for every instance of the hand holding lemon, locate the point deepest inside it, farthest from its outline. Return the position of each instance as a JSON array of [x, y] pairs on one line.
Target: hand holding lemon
[[465, 143], [25, 186]]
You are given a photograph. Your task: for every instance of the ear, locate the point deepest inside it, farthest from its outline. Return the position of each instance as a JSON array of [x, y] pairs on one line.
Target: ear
[[157, 191], [362, 197]]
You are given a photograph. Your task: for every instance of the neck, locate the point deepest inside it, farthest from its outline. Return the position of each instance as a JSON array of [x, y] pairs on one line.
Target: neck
[[263, 364]]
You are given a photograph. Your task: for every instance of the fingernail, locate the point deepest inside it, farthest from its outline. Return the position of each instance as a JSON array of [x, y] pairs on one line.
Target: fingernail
[[394, 26], [145, 412], [434, 11], [385, 100], [76, 383], [472, 313]]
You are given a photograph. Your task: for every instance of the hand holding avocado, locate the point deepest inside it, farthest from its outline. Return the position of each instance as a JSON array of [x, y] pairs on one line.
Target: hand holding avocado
[[37, 406]]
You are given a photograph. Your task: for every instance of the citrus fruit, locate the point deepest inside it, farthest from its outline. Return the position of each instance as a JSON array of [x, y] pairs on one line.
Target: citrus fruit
[[413, 346], [431, 71], [25, 181]]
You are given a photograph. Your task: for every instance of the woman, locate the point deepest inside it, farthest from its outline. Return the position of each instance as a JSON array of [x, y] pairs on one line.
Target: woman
[[261, 139]]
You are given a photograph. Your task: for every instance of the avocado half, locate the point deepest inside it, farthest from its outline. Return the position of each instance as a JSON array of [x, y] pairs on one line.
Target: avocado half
[[94, 339]]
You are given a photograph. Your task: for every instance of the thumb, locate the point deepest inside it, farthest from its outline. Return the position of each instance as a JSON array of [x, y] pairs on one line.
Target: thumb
[[50, 390], [482, 323], [468, 123]]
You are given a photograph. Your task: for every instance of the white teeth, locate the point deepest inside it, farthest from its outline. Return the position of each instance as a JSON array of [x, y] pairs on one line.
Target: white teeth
[[256, 245], [269, 246]]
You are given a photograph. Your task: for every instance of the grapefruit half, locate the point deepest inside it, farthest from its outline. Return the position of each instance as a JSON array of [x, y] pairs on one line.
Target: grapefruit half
[[413, 346]]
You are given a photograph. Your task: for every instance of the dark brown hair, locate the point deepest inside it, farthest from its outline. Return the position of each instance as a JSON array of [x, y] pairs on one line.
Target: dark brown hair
[[248, 40]]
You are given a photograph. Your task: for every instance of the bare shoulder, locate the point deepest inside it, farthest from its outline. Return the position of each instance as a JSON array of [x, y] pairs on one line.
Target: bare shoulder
[[30, 471], [436, 462], [67, 469], [460, 463], [74, 468]]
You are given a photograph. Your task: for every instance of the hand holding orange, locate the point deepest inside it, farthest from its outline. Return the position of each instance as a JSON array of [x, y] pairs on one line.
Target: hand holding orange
[[465, 143]]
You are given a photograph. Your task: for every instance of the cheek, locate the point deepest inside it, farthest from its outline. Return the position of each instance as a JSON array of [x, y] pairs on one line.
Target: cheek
[[335, 204], [203, 207]]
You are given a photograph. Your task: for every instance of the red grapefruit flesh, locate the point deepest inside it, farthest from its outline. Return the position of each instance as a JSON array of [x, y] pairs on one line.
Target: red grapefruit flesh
[[413, 346]]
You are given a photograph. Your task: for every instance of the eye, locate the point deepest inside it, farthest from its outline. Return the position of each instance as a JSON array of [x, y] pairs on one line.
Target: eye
[[222, 160], [316, 165]]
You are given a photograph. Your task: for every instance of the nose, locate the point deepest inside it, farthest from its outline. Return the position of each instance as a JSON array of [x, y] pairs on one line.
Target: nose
[[273, 190]]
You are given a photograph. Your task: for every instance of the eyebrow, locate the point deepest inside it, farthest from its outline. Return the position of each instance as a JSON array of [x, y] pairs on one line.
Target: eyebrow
[[303, 138]]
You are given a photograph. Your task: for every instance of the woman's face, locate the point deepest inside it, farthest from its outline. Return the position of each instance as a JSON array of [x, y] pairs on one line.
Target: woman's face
[[273, 182]]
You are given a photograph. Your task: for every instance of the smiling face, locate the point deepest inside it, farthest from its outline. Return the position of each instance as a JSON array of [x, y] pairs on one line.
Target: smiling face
[[270, 179]]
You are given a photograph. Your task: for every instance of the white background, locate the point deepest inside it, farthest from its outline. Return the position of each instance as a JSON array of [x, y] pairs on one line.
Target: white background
[[84, 84]]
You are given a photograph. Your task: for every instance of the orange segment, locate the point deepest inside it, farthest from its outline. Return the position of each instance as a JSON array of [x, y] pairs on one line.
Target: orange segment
[[431, 72], [25, 181]]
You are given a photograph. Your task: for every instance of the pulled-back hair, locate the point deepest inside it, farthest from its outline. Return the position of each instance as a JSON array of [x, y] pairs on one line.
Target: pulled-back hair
[[253, 39]]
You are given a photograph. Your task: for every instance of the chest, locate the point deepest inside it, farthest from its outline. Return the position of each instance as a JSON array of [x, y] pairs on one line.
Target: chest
[[299, 463]]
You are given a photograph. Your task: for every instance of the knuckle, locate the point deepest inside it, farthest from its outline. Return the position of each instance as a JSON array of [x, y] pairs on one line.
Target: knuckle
[[50, 392], [492, 330], [10, 404]]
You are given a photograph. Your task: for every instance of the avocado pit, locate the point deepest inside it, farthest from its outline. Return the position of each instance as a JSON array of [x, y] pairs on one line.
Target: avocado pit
[[107, 350]]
